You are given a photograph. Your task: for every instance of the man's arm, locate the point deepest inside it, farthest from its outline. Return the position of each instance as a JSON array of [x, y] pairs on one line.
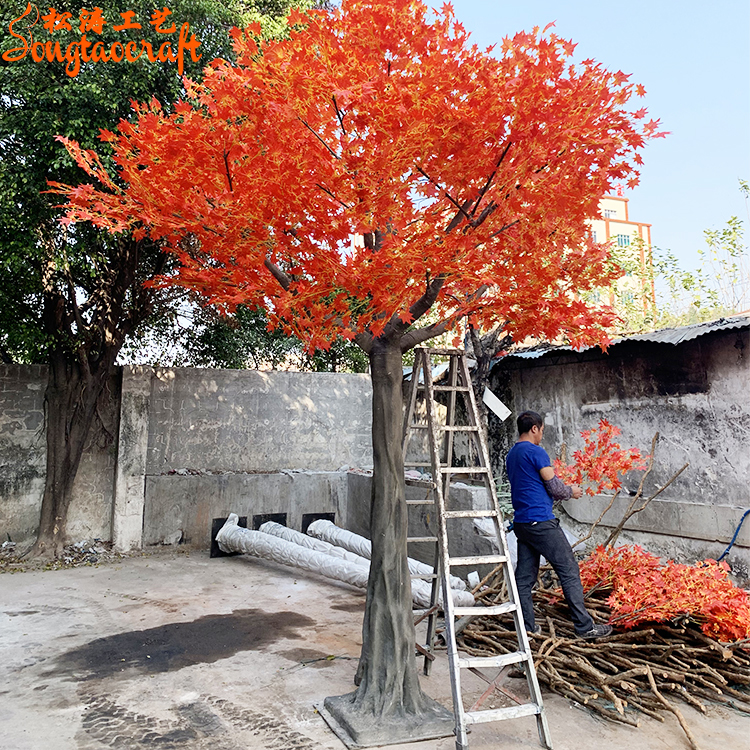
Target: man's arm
[[556, 488]]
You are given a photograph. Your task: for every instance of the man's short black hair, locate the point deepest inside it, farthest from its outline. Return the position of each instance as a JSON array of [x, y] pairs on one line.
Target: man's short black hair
[[528, 419]]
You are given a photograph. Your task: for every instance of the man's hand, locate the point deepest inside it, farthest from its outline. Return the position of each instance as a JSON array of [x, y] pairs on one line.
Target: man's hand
[[577, 491]]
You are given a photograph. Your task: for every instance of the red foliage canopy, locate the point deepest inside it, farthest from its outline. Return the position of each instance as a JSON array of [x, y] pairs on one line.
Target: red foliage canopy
[[470, 174]]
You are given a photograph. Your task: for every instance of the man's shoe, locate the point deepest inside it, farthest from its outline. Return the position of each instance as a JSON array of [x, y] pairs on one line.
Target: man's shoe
[[536, 631], [598, 631]]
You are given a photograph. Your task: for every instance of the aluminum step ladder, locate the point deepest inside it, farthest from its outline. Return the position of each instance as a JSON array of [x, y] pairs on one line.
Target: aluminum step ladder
[[441, 442]]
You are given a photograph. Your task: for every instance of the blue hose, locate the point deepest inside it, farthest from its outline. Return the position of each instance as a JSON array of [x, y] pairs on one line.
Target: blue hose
[[734, 538]]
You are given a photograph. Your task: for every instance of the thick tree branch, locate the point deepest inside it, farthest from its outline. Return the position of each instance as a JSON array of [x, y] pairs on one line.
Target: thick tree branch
[[278, 274], [413, 338], [476, 344], [79, 321], [488, 210], [364, 341], [427, 300], [460, 214], [420, 307], [489, 341]]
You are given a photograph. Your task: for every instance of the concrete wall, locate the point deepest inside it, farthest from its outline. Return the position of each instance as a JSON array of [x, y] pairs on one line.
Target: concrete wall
[[175, 446], [199, 444], [694, 394], [22, 449], [23, 454], [245, 420]]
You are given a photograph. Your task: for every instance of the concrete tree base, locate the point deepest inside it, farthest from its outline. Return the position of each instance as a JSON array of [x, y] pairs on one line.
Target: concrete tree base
[[357, 729]]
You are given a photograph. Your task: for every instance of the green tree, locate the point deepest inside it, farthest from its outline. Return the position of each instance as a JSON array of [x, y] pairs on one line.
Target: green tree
[[71, 296], [244, 340]]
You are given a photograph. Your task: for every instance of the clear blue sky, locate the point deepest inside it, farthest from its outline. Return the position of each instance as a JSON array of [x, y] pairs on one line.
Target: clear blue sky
[[693, 57]]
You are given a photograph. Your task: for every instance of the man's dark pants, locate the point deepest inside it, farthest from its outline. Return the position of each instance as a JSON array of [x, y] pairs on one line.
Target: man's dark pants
[[546, 538]]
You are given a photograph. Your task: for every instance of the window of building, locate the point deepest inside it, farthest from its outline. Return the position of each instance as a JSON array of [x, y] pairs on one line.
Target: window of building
[[593, 235], [623, 240], [610, 213]]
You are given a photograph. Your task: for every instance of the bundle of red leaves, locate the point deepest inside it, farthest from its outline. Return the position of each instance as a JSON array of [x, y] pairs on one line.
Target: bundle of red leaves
[[643, 589], [601, 462]]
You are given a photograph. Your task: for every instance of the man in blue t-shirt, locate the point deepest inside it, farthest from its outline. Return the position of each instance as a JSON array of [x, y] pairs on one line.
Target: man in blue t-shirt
[[533, 487]]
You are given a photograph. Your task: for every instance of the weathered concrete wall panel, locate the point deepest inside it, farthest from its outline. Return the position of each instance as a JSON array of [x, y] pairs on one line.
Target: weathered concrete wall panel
[[23, 454], [180, 509], [258, 421], [132, 452], [22, 449], [711, 523]]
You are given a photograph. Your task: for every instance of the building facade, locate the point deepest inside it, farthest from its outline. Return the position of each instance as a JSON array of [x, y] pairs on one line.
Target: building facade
[[633, 294]]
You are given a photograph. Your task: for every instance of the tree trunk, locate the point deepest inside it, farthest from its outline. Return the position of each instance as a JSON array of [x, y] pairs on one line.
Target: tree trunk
[[484, 349], [389, 704], [70, 404]]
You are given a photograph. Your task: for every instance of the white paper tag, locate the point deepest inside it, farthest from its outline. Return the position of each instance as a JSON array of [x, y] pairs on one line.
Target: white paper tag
[[496, 405]]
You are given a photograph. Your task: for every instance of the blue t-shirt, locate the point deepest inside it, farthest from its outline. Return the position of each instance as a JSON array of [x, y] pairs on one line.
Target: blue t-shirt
[[531, 501]]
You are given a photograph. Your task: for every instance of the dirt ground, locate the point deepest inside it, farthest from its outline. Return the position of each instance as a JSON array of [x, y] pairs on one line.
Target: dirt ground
[[180, 651]]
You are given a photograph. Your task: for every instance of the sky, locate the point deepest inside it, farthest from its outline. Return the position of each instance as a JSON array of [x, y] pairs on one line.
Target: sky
[[693, 57]]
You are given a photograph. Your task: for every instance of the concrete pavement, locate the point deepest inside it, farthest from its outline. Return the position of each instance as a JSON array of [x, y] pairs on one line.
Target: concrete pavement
[[174, 650]]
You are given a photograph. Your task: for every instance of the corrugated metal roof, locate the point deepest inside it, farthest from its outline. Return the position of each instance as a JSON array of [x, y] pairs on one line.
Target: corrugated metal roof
[[664, 336], [438, 371], [686, 333]]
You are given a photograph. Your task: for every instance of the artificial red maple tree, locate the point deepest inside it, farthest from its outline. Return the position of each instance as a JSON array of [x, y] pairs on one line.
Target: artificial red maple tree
[[469, 173]]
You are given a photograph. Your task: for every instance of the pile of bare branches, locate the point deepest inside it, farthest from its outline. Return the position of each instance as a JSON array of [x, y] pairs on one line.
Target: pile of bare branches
[[626, 674]]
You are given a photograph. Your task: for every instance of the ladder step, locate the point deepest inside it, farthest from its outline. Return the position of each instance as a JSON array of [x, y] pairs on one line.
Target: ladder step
[[420, 502], [462, 469], [501, 660], [424, 576], [500, 714], [477, 560], [496, 609], [457, 388], [418, 463], [443, 351], [416, 539], [469, 513]]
